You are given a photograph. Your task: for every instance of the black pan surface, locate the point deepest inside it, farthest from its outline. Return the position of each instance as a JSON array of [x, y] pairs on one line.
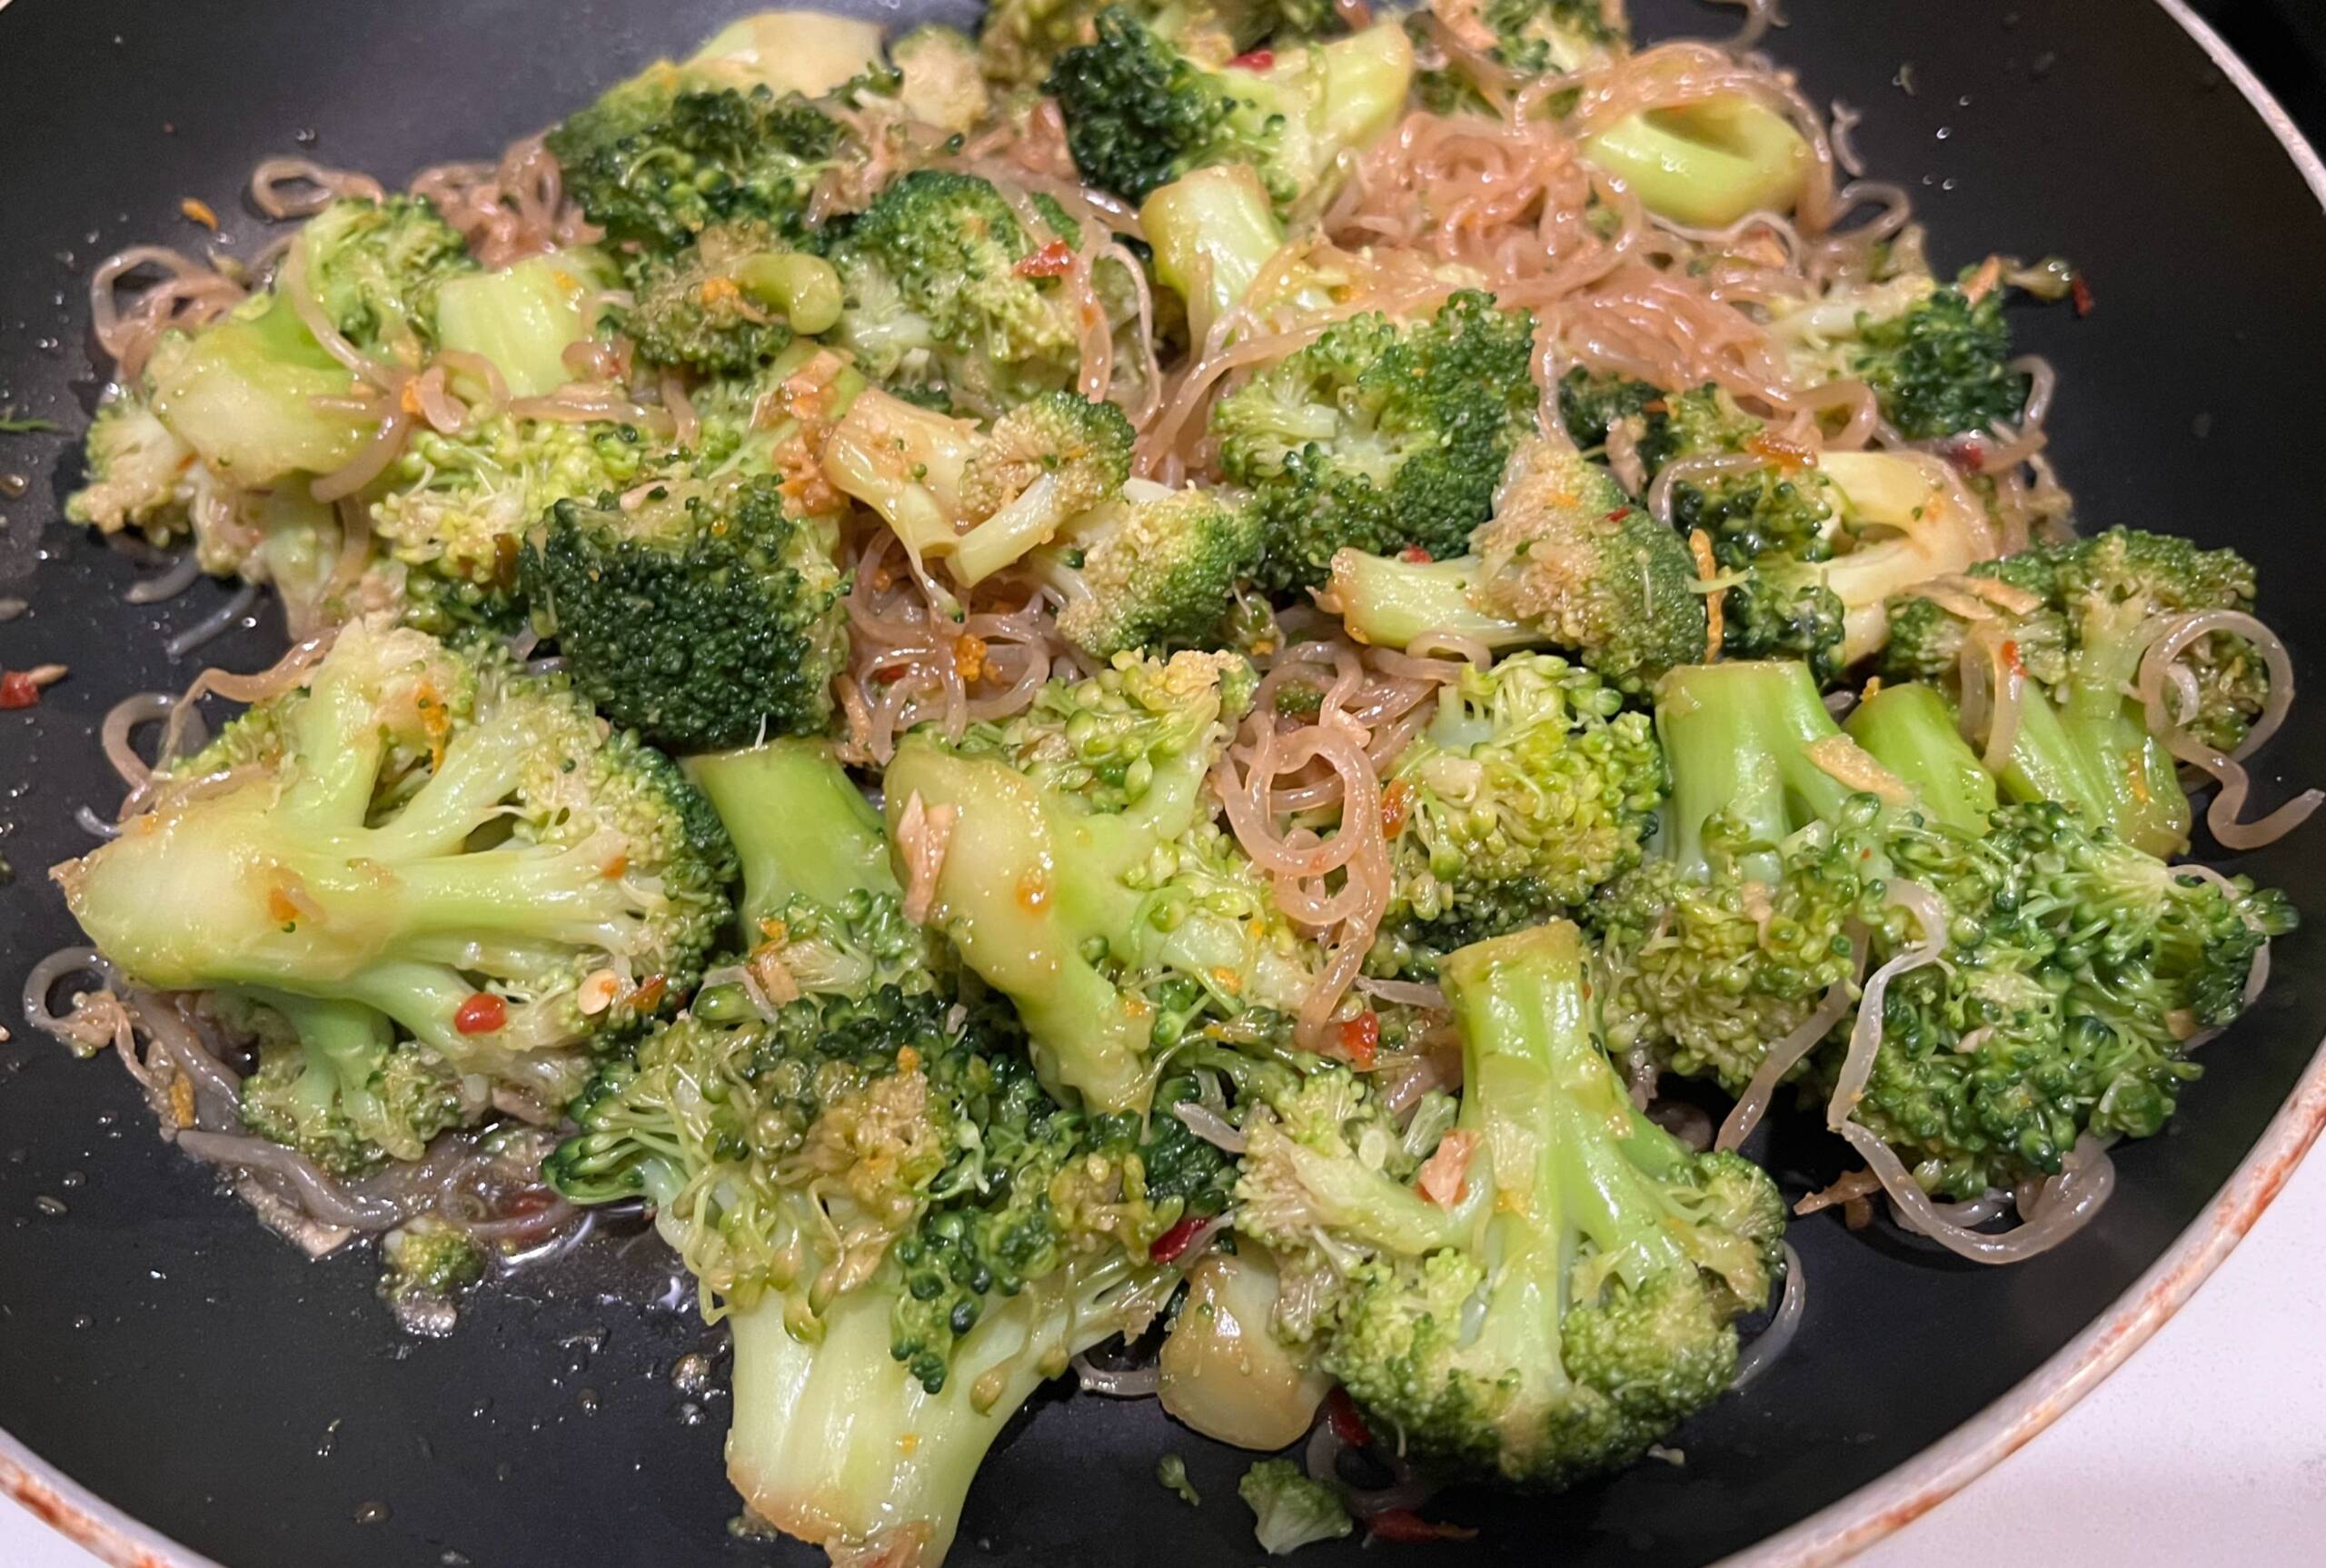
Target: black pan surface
[[160, 1348]]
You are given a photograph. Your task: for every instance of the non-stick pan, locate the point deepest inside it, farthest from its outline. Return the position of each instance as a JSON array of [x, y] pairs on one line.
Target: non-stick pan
[[170, 1362]]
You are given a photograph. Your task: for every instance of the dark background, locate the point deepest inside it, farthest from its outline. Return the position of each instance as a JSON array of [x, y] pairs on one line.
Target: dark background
[[159, 1347]]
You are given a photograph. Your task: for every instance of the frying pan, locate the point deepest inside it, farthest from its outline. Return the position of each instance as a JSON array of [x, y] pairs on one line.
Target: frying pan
[[170, 1362]]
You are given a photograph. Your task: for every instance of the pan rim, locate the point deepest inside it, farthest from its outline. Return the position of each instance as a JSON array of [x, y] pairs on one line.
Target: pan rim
[[1850, 1524]]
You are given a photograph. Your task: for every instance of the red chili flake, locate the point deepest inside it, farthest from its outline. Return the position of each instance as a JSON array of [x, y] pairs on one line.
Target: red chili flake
[[1053, 259], [2080, 293], [481, 1015], [649, 994], [1360, 1038], [1967, 452], [2010, 659], [1416, 555], [1254, 60], [1348, 1424], [20, 688], [1618, 515], [1167, 1247], [1404, 1525]]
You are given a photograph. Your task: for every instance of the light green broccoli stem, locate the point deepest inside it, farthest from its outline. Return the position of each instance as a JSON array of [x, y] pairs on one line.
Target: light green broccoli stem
[[1213, 230], [805, 288], [800, 826], [1910, 730], [2095, 751], [1707, 163], [523, 318], [1753, 740], [1393, 603], [837, 1444]]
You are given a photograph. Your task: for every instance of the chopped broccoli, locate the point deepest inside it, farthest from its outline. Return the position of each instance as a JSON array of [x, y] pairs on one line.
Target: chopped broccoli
[[1938, 362], [1140, 112], [525, 317], [942, 84], [939, 296], [1154, 572], [2073, 964], [1380, 436], [1289, 1511], [425, 1260], [705, 616], [1078, 873], [2073, 620], [374, 269], [1020, 40], [1212, 231], [424, 836], [666, 154], [1708, 163], [1566, 559], [1171, 1474], [1223, 1370], [731, 302], [140, 476], [1529, 789], [255, 396], [334, 1083], [1543, 1314]]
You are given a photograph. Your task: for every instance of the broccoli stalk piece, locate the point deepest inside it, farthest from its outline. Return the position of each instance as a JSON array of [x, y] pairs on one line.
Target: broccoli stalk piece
[[524, 317], [1152, 571], [2072, 964], [942, 84], [1380, 436], [1938, 361], [427, 833], [705, 616], [1212, 231], [2071, 622], [1560, 1294], [1911, 730], [1140, 112], [1069, 856], [1707, 163], [1529, 789], [1566, 561], [255, 396]]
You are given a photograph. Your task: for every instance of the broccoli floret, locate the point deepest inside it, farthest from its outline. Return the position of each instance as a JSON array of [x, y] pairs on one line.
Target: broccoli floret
[[1380, 436], [666, 154], [1289, 1511], [1152, 572], [2072, 621], [140, 476], [1566, 561], [1019, 40], [1140, 112], [425, 1262], [704, 616], [731, 302], [428, 834], [945, 292], [334, 1083], [979, 501], [374, 268], [910, 1236], [454, 508], [2071, 964], [1069, 856], [1530, 787], [1939, 362], [1543, 1314]]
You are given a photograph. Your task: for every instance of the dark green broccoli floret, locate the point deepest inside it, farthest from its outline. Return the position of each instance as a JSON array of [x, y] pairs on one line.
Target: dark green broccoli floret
[[935, 297], [374, 268], [661, 157], [2073, 620], [1380, 436], [1019, 40], [1562, 1291], [1152, 572], [1140, 112], [729, 302], [704, 616], [2072, 964], [427, 833], [1566, 559], [1530, 787], [1939, 362]]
